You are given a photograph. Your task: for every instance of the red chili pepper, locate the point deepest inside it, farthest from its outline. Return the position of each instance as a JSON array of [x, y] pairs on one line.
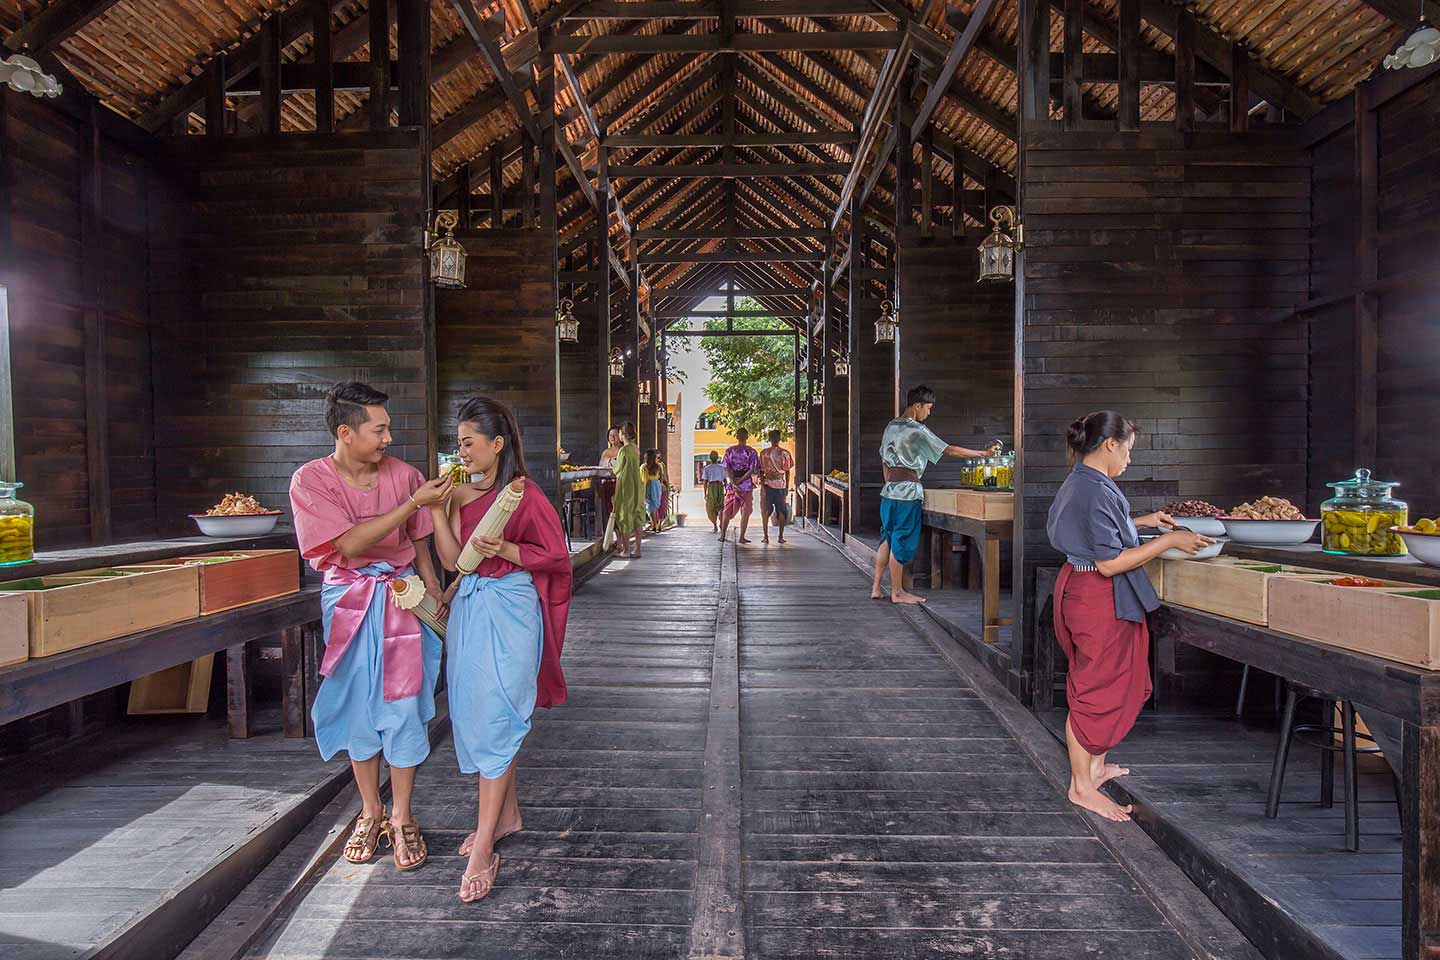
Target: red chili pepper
[[1356, 582]]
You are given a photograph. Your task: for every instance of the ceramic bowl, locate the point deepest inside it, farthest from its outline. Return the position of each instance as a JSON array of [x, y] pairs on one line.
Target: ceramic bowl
[[251, 525], [1424, 547], [1206, 553], [1270, 533], [1205, 526]]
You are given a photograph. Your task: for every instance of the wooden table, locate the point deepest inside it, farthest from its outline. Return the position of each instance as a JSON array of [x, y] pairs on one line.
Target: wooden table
[[51, 562], [39, 684], [986, 532], [841, 494], [586, 481], [1405, 569]]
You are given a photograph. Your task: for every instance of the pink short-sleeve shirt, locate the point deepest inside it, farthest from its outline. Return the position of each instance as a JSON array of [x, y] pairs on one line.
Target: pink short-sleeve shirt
[[325, 507]]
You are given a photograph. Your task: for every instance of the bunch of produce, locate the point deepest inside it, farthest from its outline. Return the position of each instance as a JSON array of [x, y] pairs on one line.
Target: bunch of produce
[[17, 539], [1192, 508], [1355, 582], [237, 505], [568, 467], [1423, 526], [1267, 508], [840, 475], [1363, 532]]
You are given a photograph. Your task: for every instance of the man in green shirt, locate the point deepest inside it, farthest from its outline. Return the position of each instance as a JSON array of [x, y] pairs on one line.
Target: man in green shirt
[[906, 449]]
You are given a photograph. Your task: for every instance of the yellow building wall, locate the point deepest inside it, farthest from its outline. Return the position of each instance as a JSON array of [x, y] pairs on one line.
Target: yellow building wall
[[719, 440]]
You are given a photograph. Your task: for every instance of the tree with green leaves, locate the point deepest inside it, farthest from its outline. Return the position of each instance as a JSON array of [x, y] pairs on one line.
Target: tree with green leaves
[[752, 379]]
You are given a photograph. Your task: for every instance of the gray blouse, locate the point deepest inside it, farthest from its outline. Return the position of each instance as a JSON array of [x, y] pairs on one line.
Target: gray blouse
[[1090, 521]]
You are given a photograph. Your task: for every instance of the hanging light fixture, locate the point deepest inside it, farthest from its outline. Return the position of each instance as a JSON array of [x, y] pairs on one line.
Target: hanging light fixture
[[888, 324], [1420, 49], [802, 414], [997, 251], [819, 395], [447, 257], [567, 328], [617, 364], [842, 363], [24, 75], [661, 414], [644, 391]]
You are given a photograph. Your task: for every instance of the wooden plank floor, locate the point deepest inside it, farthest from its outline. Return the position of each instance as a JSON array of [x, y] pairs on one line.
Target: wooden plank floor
[[881, 809], [1208, 773], [97, 836]]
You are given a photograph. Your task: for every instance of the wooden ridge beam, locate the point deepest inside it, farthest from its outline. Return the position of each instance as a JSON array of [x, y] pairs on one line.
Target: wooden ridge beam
[[730, 170], [55, 24], [741, 43], [733, 256], [736, 232], [710, 9], [669, 293], [742, 138]]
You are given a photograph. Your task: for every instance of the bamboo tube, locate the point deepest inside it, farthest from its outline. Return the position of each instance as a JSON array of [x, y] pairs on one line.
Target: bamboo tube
[[490, 525], [409, 593]]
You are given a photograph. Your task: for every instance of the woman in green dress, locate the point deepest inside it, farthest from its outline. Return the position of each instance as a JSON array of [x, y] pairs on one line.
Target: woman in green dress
[[629, 494]]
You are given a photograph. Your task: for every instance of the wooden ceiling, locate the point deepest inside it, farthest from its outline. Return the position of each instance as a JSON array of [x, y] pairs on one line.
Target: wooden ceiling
[[792, 100]]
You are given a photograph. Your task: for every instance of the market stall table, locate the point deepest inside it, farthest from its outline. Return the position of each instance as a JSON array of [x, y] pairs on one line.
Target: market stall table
[[586, 481], [986, 517]]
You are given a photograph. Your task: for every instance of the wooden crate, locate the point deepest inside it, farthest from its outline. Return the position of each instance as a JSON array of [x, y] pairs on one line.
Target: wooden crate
[[1239, 589], [1398, 622], [183, 688], [89, 606], [1155, 570], [974, 504], [14, 630], [230, 580]]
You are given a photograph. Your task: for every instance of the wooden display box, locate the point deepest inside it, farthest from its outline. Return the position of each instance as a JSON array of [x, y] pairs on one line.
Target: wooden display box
[[183, 688], [1155, 570], [230, 580], [1239, 589], [14, 630], [1398, 622], [975, 504], [89, 606]]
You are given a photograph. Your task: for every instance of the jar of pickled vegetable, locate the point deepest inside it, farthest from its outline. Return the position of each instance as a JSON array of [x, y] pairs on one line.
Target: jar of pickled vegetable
[[17, 527], [1357, 520], [1005, 472]]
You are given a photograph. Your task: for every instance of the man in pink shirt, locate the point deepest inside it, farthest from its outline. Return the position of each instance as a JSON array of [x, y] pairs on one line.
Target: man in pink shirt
[[775, 466], [360, 521]]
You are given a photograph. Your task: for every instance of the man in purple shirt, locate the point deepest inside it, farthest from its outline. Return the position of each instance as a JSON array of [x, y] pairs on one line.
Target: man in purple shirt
[[742, 465]]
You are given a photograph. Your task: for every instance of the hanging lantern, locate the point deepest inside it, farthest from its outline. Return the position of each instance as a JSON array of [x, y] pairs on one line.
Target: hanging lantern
[[24, 75], [997, 251], [617, 364], [567, 328], [888, 324], [1420, 49], [645, 391], [661, 415], [802, 414], [819, 395], [447, 257], [842, 363]]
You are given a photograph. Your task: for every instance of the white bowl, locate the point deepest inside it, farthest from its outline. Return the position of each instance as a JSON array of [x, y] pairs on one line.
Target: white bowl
[[252, 525], [1271, 533], [1206, 553], [1424, 547], [1205, 526]]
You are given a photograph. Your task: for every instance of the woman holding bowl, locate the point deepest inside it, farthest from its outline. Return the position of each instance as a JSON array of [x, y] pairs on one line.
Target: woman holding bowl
[[1100, 601]]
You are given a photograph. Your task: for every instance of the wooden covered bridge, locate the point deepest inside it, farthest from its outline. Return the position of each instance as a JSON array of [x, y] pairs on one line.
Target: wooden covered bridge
[[1215, 216]]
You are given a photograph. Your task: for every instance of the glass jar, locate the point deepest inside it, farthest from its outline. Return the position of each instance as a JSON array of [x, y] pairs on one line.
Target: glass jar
[[450, 463], [988, 472], [1005, 472], [1357, 520], [17, 527]]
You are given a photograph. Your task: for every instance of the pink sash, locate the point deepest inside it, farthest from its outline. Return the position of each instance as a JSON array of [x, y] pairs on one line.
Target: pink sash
[[401, 659]]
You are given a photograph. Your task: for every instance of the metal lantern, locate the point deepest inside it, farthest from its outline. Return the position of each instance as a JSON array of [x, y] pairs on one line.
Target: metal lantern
[[447, 257], [644, 391], [24, 75], [997, 251], [661, 415], [617, 364], [567, 328], [819, 395], [802, 414], [1420, 49], [888, 324], [842, 364]]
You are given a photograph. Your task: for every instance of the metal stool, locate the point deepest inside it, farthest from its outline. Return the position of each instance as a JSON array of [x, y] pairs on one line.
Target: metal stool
[[1294, 693]]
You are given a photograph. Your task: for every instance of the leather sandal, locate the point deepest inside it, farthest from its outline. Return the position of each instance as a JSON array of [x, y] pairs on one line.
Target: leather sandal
[[470, 839], [485, 879], [366, 837], [407, 836]]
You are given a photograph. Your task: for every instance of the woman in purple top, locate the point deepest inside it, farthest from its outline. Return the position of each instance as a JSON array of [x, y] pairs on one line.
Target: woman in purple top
[[742, 465]]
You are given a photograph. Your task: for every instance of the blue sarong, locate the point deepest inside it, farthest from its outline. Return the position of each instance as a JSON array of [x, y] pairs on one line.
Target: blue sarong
[[350, 711], [900, 527], [654, 494], [495, 634]]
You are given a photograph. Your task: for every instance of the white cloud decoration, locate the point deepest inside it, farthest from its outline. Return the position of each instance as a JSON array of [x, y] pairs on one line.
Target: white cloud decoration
[[1420, 49], [25, 75]]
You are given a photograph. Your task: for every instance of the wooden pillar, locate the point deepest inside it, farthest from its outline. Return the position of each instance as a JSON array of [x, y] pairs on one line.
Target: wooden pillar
[[379, 105], [1367, 265], [1129, 65], [270, 74], [1074, 63], [863, 373], [632, 362], [1034, 66], [904, 204], [1239, 88], [239, 698], [321, 54], [549, 224], [497, 190], [97, 420], [215, 95], [412, 23], [601, 265], [1185, 70], [827, 404]]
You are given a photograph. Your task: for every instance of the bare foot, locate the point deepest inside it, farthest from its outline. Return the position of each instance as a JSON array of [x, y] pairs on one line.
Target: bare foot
[[743, 540], [1108, 772], [766, 540], [782, 539], [901, 596], [502, 830], [1096, 802], [875, 593]]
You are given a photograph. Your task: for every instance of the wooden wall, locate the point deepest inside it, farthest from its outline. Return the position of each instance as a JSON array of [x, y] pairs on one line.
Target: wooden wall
[[1157, 278], [73, 259], [282, 265], [871, 404], [497, 338], [585, 389]]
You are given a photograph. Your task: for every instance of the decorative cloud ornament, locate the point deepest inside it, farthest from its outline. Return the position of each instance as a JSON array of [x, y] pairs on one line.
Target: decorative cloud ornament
[[25, 75]]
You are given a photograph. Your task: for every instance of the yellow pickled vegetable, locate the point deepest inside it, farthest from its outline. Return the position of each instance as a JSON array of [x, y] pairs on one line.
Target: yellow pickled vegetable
[[17, 539]]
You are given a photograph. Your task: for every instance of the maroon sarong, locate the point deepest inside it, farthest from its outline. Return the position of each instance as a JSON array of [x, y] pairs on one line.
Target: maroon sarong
[[1109, 674]]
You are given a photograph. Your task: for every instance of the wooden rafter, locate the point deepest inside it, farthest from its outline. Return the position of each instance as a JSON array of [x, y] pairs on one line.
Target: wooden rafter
[[56, 23]]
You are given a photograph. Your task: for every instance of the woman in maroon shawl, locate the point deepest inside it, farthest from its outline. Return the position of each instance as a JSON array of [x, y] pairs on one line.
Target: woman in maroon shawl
[[1101, 598], [505, 629]]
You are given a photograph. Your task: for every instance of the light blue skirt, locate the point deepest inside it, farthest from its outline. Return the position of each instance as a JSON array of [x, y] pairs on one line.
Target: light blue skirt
[[654, 493], [350, 711], [494, 637]]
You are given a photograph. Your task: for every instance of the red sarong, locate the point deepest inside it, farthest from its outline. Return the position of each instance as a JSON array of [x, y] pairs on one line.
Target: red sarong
[[1109, 675], [737, 501]]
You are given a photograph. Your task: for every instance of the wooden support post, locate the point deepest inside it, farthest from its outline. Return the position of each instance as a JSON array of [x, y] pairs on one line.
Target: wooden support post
[[321, 54], [1239, 88], [1074, 63], [1367, 264], [215, 98], [379, 107], [600, 263], [92, 244], [632, 366], [957, 199], [292, 670], [1129, 114], [412, 23], [1185, 70], [527, 182], [1033, 68], [270, 74], [239, 698], [497, 190], [927, 181], [463, 197]]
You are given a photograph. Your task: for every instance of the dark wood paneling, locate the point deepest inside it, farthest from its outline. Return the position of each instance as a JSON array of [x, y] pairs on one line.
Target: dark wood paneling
[[52, 173], [280, 266], [585, 389], [497, 338]]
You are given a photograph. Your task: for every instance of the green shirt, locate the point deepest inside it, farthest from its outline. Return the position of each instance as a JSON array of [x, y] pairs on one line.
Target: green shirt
[[908, 443]]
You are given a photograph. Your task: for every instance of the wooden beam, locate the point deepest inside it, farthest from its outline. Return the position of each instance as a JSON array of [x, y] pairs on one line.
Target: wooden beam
[[322, 54], [742, 42], [737, 232], [215, 96], [729, 170], [1185, 70], [667, 293], [963, 44], [742, 138], [1073, 68], [270, 74], [733, 257], [55, 24], [486, 35], [1129, 52], [379, 105], [1239, 88], [710, 9], [412, 21], [1033, 68]]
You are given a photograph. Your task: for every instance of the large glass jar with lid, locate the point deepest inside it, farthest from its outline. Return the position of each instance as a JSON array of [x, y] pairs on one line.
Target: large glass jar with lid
[[1357, 520], [17, 527]]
